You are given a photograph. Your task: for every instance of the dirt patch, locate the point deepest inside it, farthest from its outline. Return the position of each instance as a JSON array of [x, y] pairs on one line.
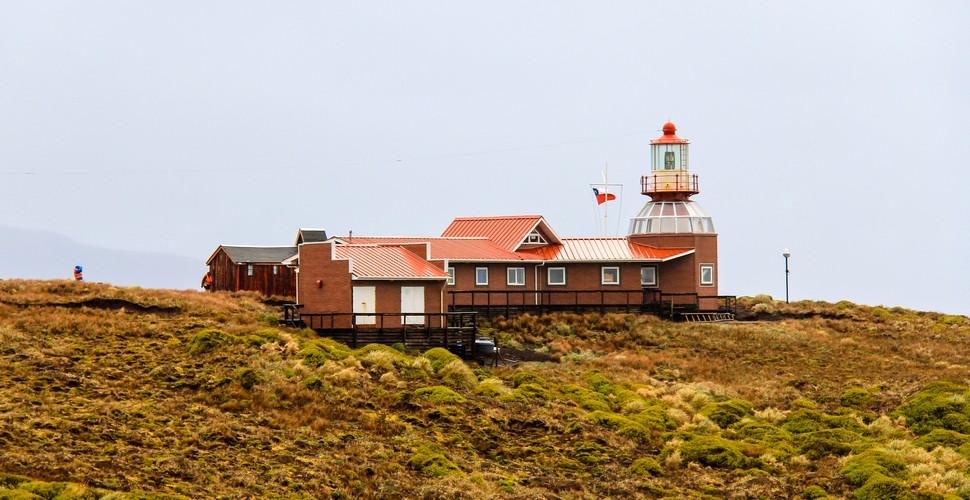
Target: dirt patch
[[111, 304]]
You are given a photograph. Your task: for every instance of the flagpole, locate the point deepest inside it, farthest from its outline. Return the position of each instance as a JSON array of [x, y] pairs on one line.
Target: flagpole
[[606, 189]]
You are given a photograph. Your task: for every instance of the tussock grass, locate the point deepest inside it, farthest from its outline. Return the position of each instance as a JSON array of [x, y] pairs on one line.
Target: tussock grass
[[111, 392]]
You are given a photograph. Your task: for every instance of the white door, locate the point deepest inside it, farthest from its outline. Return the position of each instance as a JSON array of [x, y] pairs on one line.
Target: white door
[[412, 301], [364, 303]]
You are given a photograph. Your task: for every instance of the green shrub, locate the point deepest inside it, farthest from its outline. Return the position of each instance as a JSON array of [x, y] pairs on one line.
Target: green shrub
[[941, 437], [860, 468], [318, 351], [43, 489], [12, 480], [491, 388], [261, 337], [927, 410], [589, 453], [856, 398], [763, 431], [713, 451], [807, 420], [655, 416], [880, 487], [835, 442], [439, 394], [248, 378], [599, 383], [396, 355], [609, 420], [646, 466], [529, 392], [813, 492], [417, 369], [439, 357], [523, 377], [726, 413], [432, 461], [209, 340], [585, 398]]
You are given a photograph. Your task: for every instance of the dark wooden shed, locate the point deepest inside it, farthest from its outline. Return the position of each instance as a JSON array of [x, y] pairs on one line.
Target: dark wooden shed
[[259, 269]]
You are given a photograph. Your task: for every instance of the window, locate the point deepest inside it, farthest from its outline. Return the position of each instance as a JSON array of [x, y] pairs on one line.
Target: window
[[481, 275], [610, 276], [249, 270], [557, 276], [451, 276], [516, 276], [669, 160], [534, 237], [648, 276], [707, 274], [276, 270]]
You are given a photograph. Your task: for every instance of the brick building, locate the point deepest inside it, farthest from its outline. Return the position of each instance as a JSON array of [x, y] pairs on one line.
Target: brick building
[[515, 264]]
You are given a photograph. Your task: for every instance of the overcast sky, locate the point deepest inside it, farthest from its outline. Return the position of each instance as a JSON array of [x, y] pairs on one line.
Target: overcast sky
[[836, 129]]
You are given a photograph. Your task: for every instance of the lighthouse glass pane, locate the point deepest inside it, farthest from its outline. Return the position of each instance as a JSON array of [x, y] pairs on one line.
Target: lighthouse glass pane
[[671, 217]]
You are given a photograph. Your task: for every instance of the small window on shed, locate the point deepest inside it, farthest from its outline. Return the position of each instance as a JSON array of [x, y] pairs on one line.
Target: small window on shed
[[249, 270], [610, 276], [276, 270]]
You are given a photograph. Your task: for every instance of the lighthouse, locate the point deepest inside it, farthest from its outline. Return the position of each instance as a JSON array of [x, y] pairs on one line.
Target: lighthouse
[[672, 220]]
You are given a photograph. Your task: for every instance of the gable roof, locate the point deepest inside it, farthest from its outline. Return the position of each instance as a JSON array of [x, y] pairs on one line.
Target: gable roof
[[604, 249], [454, 249], [508, 232], [386, 262], [310, 236], [255, 255]]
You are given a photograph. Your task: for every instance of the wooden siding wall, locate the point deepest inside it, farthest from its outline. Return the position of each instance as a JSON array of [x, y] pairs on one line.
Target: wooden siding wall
[[231, 277]]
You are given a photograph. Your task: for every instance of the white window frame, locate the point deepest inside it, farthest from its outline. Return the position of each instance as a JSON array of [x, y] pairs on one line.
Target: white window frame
[[249, 269], [515, 276], [534, 237], [652, 283], [549, 280], [451, 276], [276, 270], [603, 273], [708, 282], [478, 275]]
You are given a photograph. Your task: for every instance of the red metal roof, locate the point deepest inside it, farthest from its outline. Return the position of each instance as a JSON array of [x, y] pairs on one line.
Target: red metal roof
[[507, 232], [605, 249], [386, 262], [457, 249], [670, 136]]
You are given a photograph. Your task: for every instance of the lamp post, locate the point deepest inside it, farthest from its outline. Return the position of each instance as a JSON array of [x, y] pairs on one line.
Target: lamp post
[[787, 254]]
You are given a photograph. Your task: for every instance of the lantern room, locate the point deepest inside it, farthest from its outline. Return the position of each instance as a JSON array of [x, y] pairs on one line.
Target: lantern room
[[670, 177]]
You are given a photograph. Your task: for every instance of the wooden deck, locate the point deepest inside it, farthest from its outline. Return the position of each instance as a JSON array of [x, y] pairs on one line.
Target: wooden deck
[[454, 331], [674, 306]]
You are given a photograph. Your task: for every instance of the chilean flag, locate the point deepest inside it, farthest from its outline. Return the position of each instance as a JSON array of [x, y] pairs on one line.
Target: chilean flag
[[603, 198]]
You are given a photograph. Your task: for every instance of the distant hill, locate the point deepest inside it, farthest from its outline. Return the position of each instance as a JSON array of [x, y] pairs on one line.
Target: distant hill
[[32, 254]]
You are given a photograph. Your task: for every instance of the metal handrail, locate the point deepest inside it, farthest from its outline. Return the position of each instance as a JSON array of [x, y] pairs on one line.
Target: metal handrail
[[681, 182]]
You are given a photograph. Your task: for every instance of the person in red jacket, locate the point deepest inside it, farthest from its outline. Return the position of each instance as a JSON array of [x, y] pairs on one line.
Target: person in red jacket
[[207, 281], [77, 273]]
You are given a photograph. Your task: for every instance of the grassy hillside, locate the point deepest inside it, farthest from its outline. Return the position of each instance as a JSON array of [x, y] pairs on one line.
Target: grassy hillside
[[125, 393]]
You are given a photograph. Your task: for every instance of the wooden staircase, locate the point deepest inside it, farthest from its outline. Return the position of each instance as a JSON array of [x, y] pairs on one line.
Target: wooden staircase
[[706, 317]]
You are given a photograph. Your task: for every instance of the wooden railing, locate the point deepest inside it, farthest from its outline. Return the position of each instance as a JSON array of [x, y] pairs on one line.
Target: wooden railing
[[455, 330], [492, 303]]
